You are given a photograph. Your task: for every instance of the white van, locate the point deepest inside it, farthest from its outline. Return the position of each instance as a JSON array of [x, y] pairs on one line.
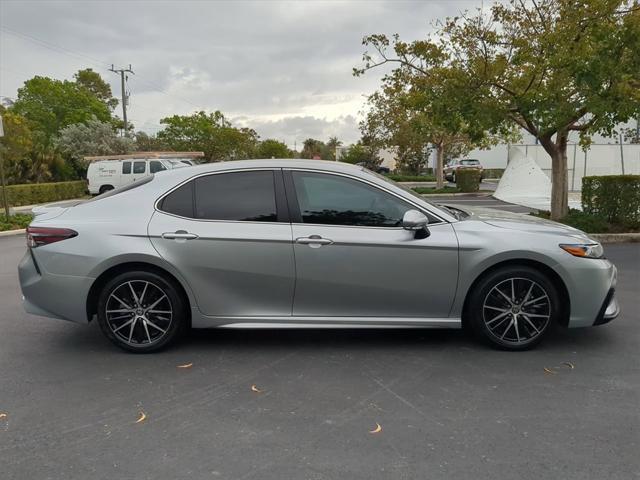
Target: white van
[[107, 173]]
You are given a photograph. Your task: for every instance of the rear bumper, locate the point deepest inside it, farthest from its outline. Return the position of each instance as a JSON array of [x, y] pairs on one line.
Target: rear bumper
[[610, 309], [55, 296]]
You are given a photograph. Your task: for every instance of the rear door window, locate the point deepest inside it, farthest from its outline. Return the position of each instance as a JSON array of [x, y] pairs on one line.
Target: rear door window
[[126, 168], [139, 167], [239, 196]]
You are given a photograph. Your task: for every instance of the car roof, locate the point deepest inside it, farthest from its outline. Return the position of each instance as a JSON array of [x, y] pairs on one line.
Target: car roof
[[325, 165]]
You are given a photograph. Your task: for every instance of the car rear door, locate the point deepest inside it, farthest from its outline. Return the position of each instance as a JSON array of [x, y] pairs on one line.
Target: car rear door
[[353, 259], [229, 235]]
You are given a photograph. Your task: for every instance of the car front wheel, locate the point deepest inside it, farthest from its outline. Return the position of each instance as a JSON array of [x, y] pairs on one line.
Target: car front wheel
[[141, 311], [513, 308]]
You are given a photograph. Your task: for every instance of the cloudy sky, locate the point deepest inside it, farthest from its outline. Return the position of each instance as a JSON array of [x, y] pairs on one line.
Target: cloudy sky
[[282, 68]]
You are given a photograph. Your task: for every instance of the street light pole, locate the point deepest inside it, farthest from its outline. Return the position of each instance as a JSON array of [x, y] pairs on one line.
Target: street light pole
[[4, 185]]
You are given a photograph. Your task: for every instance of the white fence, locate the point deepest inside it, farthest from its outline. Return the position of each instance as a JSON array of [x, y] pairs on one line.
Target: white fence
[[599, 159]]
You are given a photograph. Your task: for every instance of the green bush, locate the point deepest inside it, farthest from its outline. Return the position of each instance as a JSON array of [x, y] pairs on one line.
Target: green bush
[[412, 178], [492, 173], [432, 190], [616, 198], [17, 221], [588, 222], [468, 179], [33, 193]]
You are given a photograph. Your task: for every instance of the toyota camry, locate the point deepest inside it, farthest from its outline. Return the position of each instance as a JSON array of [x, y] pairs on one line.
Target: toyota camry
[[295, 243]]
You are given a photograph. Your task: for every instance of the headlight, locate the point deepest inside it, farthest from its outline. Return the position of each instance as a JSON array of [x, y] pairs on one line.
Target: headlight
[[586, 250]]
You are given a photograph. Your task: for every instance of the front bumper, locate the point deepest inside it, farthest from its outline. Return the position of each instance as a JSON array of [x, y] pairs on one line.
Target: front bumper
[[610, 309]]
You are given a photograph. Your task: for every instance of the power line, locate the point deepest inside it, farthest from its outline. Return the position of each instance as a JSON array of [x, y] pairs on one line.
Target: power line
[[96, 62]]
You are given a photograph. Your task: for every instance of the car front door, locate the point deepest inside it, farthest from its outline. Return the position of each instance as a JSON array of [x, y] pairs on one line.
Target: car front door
[[354, 259], [229, 235]]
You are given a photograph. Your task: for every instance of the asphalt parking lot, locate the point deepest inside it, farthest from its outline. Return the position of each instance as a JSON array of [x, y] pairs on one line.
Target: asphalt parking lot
[[448, 408]]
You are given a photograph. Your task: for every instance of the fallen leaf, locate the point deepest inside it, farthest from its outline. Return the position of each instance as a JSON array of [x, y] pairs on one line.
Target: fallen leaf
[[3, 415], [255, 389], [143, 417], [569, 364], [378, 429], [548, 370], [186, 365]]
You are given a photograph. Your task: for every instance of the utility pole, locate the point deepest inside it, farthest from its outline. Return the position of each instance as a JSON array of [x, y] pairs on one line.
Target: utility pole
[[125, 96], [2, 181]]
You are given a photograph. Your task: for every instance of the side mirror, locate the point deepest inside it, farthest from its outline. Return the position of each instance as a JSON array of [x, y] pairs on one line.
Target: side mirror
[[416, 221]]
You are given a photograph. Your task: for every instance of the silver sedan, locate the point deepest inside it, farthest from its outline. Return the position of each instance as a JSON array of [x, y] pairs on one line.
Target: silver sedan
[[288, 243]]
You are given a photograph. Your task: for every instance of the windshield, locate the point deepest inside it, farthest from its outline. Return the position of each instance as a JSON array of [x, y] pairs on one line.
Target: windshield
[[177, 163], [407, 189]]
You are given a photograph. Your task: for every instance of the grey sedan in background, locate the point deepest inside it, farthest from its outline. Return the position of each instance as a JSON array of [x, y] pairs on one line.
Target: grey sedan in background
[[288, 243]]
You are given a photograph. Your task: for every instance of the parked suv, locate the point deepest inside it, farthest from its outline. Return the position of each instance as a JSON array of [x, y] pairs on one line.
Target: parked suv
[[451, 168]]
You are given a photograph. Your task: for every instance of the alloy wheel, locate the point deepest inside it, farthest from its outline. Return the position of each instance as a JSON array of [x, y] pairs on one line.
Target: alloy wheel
[[516, 310], [139, 312]]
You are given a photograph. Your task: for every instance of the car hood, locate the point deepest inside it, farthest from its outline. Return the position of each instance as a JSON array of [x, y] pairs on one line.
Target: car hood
[[518, 221]]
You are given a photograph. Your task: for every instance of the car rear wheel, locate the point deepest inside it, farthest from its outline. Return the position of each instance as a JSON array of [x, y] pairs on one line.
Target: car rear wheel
[[141, 311], [105, 188], [513, 308]]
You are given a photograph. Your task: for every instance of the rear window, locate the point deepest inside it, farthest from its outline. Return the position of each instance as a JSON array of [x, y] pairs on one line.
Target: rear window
[[470, 162], [126, 167], [180, 201], [128, 186], [237, 196]]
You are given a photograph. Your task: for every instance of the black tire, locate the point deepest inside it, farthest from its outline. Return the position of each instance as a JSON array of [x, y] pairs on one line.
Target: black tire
[[120, 314], [522, 323], [105, 188]]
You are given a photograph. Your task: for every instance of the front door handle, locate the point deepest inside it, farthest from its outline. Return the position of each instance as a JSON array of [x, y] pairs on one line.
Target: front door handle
[[179, 235], [314, 241]]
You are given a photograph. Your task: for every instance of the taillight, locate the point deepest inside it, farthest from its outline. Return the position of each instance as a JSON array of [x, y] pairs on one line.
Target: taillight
[[37, 236]]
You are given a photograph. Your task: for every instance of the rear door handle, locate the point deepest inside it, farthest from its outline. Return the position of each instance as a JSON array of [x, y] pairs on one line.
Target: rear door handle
[[179, 235], [314, 241]]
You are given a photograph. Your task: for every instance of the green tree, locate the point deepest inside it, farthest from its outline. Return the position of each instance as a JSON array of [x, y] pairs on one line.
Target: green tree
[[271, 148], [93, 82], [313, 148], [422, 104], [92, 138], [360, 153], [16, 146], [50, 105], [210, 133], [550, 67], [149, 143]]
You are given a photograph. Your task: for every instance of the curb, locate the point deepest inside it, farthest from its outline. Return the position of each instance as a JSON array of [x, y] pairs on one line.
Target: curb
[[615, 237], [8, 233], [477, 194]]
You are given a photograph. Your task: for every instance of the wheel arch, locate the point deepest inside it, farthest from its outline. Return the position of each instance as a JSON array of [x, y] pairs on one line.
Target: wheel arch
[[553, 276], [113, 271]]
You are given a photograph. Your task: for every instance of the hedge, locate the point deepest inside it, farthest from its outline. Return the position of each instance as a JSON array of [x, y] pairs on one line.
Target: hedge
[[411, 178], [33, 193], [468, 179], [615, 198], [493, 173], [15, 222]]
